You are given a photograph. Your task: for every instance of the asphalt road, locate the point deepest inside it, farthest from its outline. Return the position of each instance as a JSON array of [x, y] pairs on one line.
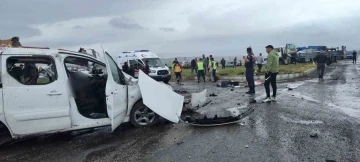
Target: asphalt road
[[316, 121]]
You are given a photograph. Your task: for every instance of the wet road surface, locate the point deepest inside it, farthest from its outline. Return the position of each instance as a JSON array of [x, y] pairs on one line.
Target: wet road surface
[[316, 121]]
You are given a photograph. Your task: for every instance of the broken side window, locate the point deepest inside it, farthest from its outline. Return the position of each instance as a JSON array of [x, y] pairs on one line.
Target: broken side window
[[32, 70], [136, 63], [116, 72]]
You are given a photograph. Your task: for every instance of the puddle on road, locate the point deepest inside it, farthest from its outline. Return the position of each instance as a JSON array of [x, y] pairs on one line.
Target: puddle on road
[[305, 122]]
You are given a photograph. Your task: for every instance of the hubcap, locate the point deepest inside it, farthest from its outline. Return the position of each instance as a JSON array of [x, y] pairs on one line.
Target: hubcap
[[144, 116]]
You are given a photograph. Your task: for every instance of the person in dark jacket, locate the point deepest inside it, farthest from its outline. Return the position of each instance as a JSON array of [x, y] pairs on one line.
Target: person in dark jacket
[[321, 60], [249, 65], [223, 63], [132, 70], [193, 66], [147, 67], [235, 60], [207, 64], [354, 57], [125, 68]]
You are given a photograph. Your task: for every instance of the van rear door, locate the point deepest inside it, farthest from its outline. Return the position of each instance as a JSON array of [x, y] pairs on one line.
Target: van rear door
[[116, 93]]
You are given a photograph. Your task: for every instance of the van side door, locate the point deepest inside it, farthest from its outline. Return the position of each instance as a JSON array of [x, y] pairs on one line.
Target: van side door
[[35, 93], [116, 93]]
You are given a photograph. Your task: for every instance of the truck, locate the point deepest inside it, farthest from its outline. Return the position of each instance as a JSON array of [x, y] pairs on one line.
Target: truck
[[305, 54], [287, 53], [136, 59], [53, 99]]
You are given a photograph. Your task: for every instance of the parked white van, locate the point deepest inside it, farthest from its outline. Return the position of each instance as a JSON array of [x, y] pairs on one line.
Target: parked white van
[[62, 100], [137, 58]]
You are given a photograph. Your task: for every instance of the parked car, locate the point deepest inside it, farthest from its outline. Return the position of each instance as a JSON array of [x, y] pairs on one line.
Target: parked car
[[61, 100], [229, 64], [185, 64]]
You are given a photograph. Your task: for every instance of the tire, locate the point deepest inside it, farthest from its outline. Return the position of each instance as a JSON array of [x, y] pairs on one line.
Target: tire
[[166, 81], [150, 118], [4, 134]]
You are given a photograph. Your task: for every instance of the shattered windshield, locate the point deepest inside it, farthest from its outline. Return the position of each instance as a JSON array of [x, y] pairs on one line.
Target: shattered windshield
[[154, 62]]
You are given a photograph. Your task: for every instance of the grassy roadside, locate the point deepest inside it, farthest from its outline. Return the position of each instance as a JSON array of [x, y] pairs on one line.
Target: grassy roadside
[[240, 71]]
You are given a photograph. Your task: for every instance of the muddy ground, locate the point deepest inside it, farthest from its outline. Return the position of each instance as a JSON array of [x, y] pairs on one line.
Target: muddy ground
[[316, 121]]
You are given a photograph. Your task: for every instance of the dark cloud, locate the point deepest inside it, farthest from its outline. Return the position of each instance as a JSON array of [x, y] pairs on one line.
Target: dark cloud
[[124, 23], [78, 27], [167, 29], [23, 13], [41, 11]]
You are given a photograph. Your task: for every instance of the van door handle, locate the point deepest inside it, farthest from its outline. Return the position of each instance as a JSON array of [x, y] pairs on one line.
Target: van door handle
[[53, 94]]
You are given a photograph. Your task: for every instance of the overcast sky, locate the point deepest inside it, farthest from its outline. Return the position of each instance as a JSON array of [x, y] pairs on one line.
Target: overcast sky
[[181, 27]]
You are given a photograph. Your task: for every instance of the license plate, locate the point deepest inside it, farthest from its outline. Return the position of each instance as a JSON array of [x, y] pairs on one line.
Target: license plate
[[164, 76]]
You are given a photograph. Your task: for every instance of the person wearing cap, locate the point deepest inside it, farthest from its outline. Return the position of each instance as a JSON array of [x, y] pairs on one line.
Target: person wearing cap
[[272, 69], [249, 65]]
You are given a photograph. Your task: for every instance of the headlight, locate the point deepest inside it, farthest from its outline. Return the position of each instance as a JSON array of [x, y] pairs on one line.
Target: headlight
[[152, 71]]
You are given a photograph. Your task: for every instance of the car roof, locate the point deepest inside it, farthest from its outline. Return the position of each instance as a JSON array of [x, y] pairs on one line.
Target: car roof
[[40, 51]]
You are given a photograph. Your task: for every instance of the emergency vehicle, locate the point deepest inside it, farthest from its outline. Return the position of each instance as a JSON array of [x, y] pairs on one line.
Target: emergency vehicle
[[136, 60]]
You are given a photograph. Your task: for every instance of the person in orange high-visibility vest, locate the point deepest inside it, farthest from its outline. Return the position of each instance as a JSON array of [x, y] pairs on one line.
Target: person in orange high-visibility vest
[[177, 71]]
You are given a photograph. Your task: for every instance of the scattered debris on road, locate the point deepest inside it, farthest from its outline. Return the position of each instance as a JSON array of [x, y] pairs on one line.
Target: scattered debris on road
[[253, 101], [216, 121], [213, 95], [330, 161], [290, 89], [256, 83], [246, 146], [228, 83], [180, 91], [179, 143], [314, 135]]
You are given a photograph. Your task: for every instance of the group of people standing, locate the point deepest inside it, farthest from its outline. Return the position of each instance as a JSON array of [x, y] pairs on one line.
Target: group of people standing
[[200, 66], [203, 65]]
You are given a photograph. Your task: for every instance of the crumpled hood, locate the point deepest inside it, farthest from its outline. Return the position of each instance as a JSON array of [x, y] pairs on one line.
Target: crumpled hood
[[160, 98]]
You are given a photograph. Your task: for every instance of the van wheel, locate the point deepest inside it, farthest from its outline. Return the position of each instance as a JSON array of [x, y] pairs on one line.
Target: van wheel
[[166, 81], [142, 116], [4, 134]]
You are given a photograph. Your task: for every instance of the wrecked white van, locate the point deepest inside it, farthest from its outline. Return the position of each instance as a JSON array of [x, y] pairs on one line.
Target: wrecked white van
[[46, 91]]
